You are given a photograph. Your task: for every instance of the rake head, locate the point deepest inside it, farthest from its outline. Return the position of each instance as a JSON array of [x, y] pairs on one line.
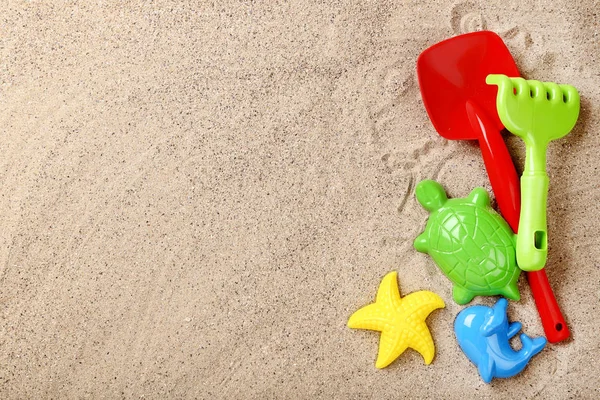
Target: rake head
[[538, 112]]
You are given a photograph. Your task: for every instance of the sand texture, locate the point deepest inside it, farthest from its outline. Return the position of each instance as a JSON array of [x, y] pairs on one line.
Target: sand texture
[[197, 195]]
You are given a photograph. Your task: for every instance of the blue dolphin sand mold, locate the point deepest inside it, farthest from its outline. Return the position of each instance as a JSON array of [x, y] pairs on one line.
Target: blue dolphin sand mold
[[483, 333]]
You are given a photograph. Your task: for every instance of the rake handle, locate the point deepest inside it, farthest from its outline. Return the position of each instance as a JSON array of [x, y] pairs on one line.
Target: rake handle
[[532, 241], [505, 184]]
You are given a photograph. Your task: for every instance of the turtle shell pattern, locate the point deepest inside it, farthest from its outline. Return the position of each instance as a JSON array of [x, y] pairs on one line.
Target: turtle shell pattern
[[472, 245]]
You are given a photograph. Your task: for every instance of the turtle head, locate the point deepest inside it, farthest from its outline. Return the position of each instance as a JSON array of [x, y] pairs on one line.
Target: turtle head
[[431, 195]]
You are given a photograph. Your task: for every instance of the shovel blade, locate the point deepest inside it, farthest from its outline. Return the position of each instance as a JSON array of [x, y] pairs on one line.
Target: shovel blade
[[453, 72]]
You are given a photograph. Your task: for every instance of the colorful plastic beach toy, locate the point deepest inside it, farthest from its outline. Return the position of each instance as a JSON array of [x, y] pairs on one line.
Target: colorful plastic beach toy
[[462, 106], [401, 321], [537, 112], [473, 246], [483, 333]]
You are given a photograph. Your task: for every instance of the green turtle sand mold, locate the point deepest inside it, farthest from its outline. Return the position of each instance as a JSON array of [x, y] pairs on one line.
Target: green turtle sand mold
[[471, 243]]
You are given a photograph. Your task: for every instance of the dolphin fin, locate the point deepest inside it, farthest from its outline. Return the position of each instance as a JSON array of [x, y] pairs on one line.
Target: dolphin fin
[[513, 329], [486, 367]]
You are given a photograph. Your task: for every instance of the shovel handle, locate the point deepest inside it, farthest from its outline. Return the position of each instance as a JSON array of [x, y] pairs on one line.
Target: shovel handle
[[505, 184], [498, 164], [502, 174], [555, 326]]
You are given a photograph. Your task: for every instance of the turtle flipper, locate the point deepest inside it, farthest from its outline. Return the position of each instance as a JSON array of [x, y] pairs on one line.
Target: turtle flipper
[[511, 291], [480, 197], [421, 243], [462, 295]]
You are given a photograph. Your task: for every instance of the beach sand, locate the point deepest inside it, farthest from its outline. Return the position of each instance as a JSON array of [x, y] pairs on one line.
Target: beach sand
[[196, 196]]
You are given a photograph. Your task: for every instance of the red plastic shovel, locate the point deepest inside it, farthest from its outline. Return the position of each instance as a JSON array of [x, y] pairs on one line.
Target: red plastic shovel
[[462, 106]]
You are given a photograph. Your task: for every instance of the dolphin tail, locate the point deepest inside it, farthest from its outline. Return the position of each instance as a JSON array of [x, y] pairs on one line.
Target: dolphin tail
[[531, 346]]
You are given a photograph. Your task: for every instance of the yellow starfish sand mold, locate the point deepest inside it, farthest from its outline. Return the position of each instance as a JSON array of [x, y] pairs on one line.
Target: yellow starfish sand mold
[[401, 321]]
